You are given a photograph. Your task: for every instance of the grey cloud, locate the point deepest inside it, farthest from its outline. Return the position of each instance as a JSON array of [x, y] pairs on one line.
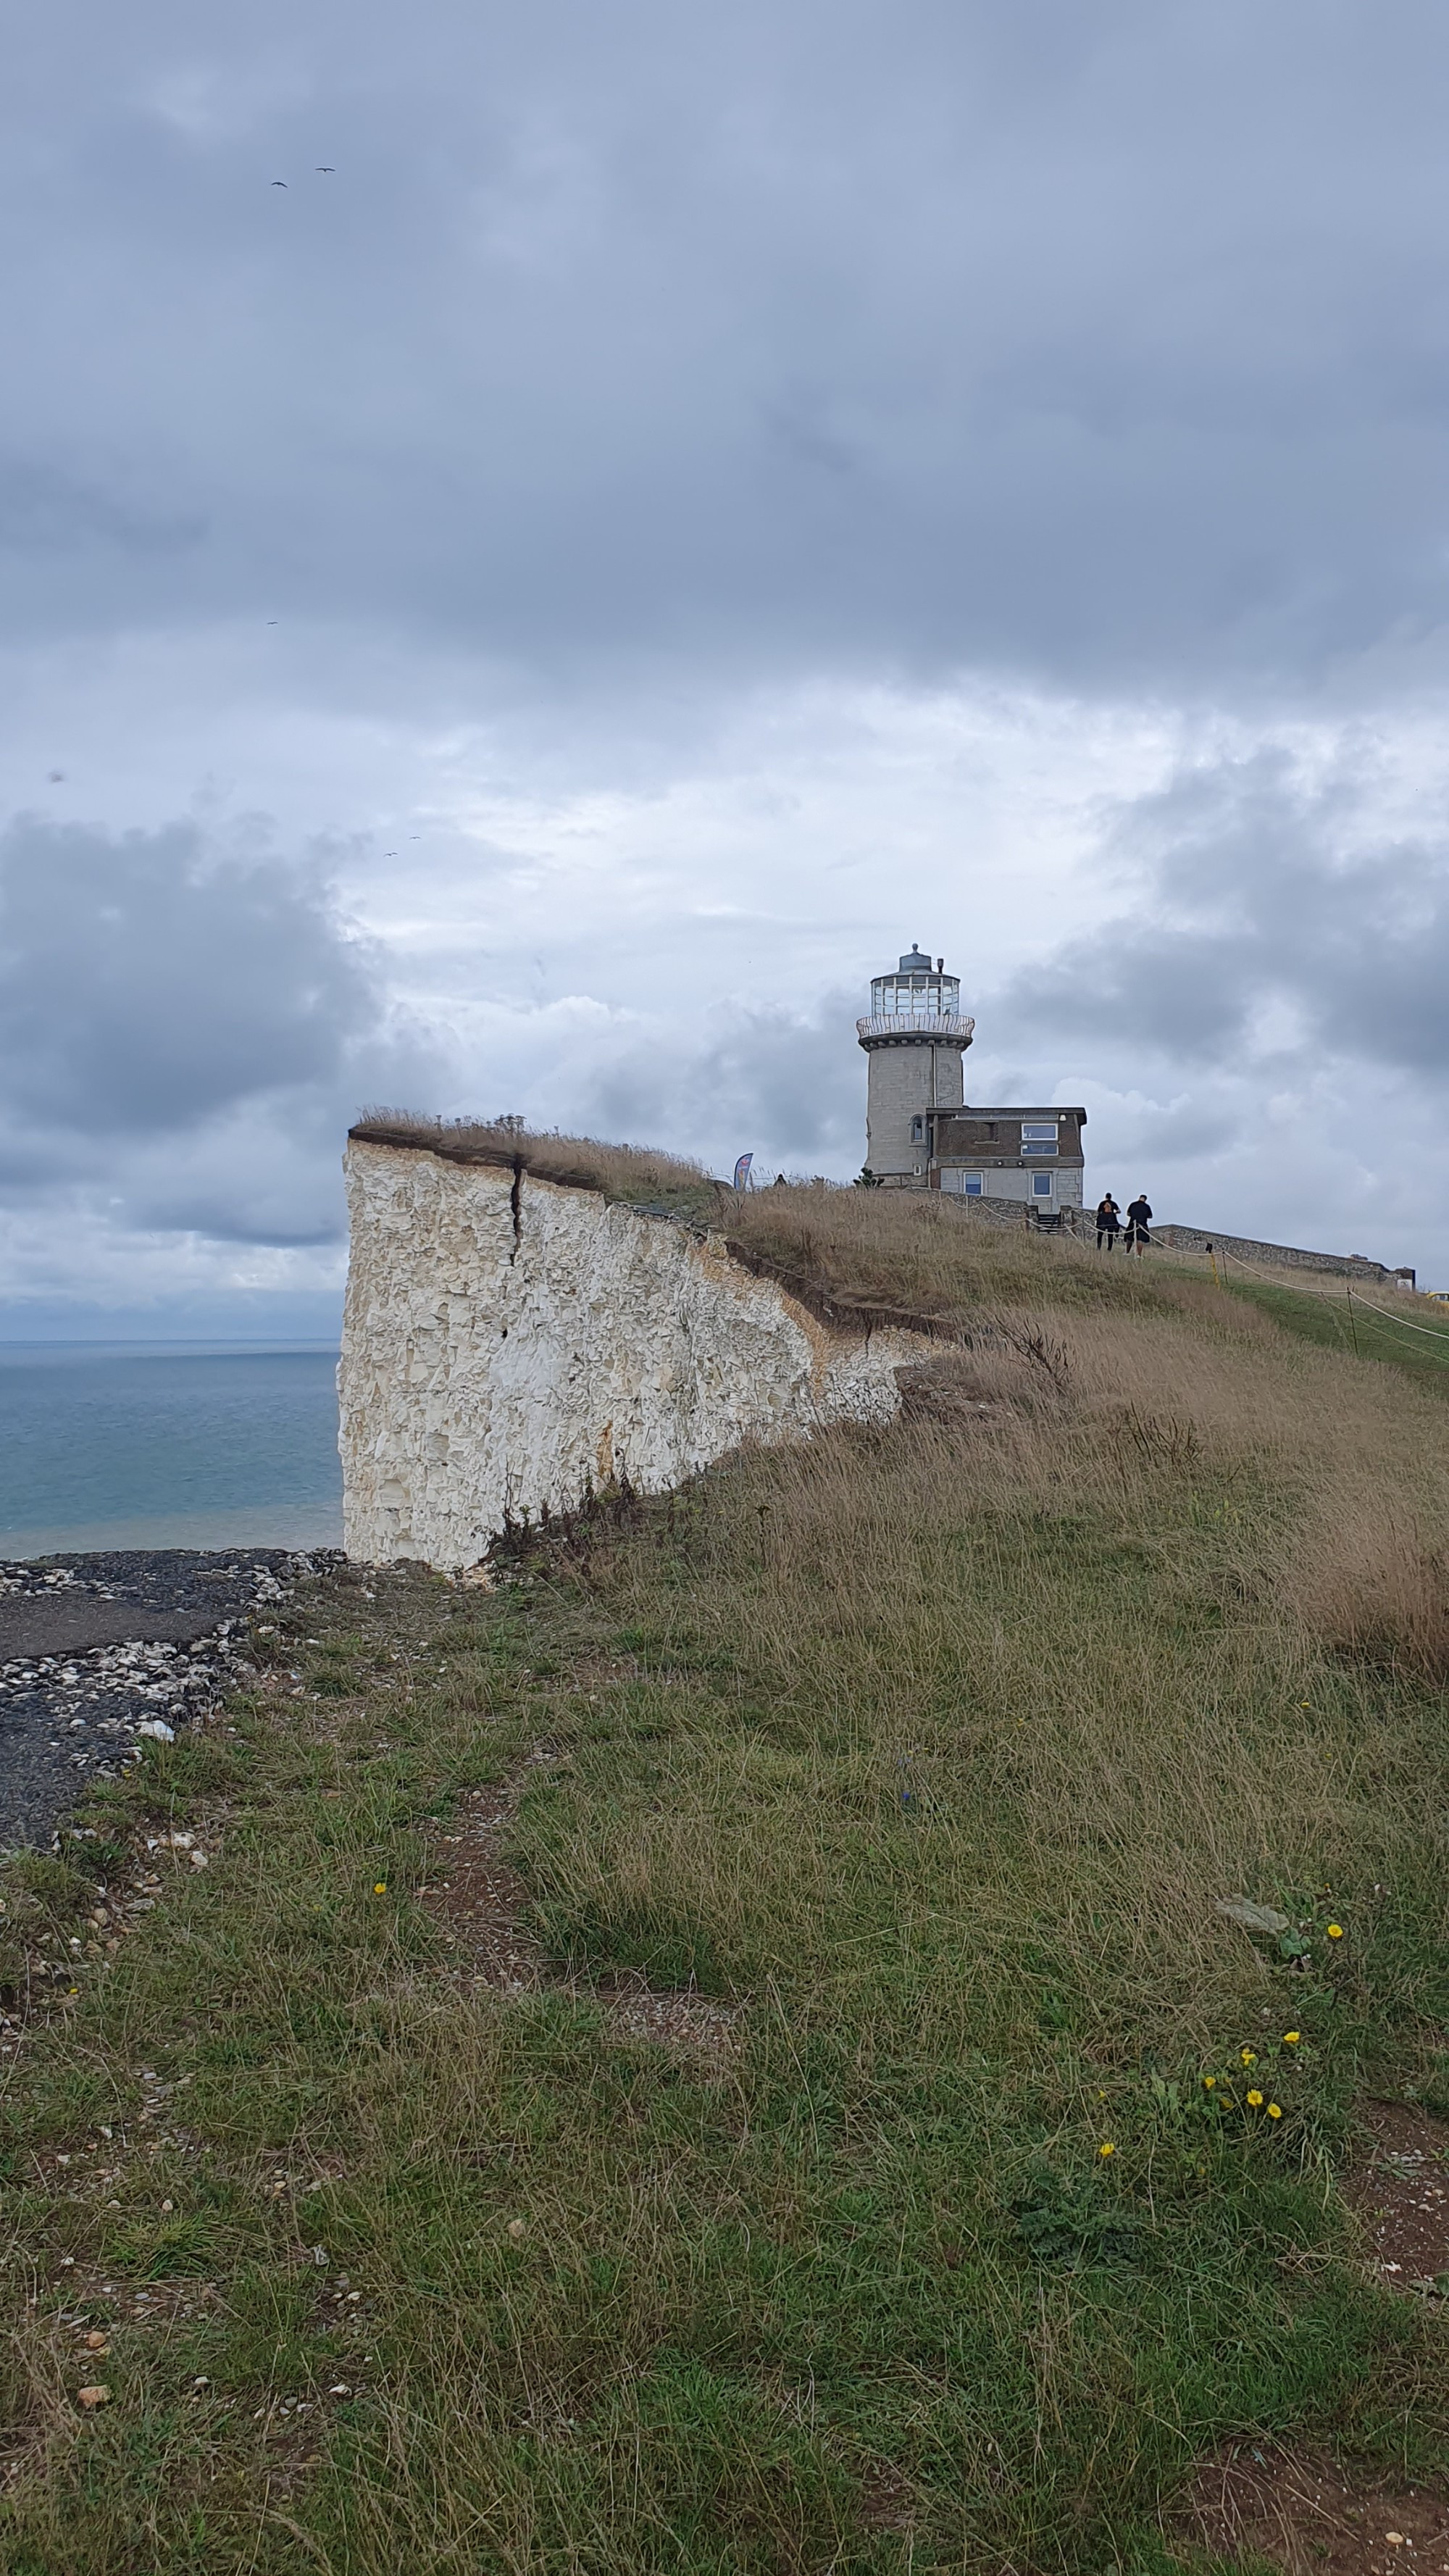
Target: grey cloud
[[1261, 894], [45, 510], [781, 1085], [266, 1175], [1102, 344], [188, 1030], [636, 362], [145, 983], [1182, 1133]]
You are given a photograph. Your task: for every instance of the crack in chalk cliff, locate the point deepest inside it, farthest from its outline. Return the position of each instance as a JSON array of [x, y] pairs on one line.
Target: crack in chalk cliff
[[515, 1201]]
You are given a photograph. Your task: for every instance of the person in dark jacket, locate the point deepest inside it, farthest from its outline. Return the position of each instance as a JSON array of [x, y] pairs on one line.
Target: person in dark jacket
[[1139, 1218], [1109, 1222]]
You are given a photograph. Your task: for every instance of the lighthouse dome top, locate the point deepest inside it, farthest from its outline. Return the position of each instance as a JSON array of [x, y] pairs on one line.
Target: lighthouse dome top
[[920, 1003]]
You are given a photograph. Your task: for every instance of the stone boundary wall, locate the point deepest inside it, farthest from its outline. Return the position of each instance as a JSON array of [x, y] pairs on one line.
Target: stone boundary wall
[[1082, 1223], [1280, 1256], [511, 1343]]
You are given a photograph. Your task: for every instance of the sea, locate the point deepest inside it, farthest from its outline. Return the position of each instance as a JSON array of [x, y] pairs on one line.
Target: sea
[[168, 1444]]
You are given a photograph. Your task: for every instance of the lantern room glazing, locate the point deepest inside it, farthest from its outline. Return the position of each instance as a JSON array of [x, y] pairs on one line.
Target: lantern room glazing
[[917, 993]]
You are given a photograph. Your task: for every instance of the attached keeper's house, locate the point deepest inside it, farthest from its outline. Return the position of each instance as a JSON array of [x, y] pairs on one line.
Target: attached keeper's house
[[1031, 1154]]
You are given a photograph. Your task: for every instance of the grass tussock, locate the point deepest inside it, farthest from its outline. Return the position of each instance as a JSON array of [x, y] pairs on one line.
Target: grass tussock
[[1375, 1590], [933, 1751]]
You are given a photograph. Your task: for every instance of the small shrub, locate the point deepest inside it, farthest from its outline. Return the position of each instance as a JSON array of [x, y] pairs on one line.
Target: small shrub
[[1072, 2225]]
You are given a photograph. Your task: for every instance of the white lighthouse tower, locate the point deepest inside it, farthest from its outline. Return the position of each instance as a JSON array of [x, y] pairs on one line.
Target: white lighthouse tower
[[914, 1041]]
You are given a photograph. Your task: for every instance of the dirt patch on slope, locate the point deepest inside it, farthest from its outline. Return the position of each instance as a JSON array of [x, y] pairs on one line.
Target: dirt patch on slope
[[1305, 2514], [676, 2016], [482, 1905], [1400, 2189], [477, 1898]]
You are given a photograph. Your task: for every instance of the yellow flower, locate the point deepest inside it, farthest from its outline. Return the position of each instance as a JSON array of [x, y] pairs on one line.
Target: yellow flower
[[1291, 2038], [1254, 2099], [1335, 1931], [1208, 2082], [1106, 2148], [1275, 2110], [381, 1888], [1249, 2056]]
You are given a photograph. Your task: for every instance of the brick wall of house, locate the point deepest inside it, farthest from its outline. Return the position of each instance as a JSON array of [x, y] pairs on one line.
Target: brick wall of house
[[989, 1141]]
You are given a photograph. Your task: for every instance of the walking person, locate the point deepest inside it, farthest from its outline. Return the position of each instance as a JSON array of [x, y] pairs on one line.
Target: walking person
[[1109, 1221], [1139, 1218]]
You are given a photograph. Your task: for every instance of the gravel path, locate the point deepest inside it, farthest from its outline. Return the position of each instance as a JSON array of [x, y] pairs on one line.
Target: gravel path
[[96, 1651]]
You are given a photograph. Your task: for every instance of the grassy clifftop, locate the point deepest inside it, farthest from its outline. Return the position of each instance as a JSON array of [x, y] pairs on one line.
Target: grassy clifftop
[[724, 2051], [633, 1174]]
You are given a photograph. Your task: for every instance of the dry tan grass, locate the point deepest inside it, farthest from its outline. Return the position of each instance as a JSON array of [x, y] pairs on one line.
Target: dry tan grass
[[1375, 1588], [1363, 1454], [1360, 1455], [1087, 1632], [632, 1172], [920, 1251]]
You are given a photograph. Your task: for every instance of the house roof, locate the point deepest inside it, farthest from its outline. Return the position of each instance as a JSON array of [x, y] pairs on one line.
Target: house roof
[[1052, 1109]]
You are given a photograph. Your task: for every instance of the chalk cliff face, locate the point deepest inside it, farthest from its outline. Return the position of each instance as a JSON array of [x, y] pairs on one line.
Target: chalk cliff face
[[510, 1342]]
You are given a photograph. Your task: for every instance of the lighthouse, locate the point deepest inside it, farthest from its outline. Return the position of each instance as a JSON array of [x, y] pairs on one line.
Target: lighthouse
[[914, 1038]]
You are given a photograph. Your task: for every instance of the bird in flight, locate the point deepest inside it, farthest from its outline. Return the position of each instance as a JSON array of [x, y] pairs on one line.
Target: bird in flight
[[279, 183], [326, 170], [56, 777]]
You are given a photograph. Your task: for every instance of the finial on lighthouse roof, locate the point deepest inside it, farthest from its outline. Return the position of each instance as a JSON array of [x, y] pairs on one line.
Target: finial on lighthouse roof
[[914, 964]]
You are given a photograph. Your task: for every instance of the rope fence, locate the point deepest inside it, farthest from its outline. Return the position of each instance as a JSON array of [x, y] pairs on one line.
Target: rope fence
[[1353, 1296], [1079, 1227]]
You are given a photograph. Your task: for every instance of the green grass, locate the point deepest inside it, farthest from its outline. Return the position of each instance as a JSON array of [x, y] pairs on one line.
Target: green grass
[[930, 1761], [1338, 1323]]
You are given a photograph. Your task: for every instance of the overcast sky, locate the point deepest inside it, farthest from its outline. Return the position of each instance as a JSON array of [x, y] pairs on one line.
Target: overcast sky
[[540, 546]]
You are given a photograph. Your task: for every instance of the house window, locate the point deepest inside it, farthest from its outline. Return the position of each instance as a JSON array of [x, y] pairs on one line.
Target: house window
[[1038, 1135], [918, 1131], [1041, 1185], [971, 1185]]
